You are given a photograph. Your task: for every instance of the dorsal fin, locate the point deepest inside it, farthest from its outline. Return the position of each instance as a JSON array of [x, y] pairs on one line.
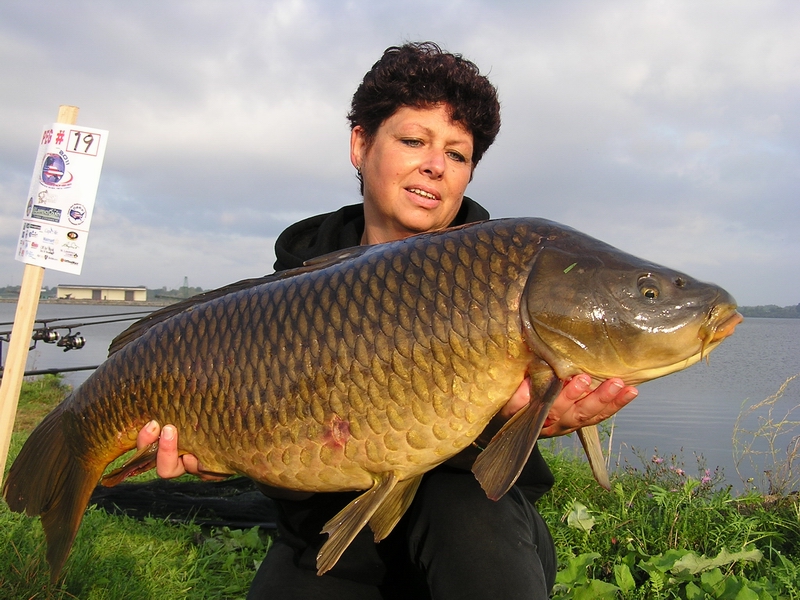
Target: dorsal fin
[[138, 328], [335, 257]]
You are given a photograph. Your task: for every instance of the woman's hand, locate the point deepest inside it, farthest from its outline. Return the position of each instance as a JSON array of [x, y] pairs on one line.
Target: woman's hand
[[577, 405], [169, 463]]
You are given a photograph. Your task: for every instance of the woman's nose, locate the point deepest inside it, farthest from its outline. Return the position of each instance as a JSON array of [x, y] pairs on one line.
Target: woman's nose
[[433, 164]]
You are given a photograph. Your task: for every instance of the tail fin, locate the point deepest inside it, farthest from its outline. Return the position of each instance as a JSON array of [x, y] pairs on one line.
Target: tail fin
[[47, 479]]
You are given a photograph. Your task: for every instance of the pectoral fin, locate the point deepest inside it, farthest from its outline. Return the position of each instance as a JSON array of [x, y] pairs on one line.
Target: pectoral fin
[[590, 439], [342, 528], [499, 465]]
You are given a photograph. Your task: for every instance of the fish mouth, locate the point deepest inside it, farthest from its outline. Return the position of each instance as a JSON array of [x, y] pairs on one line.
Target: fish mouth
[[721, 323], [726, 328]]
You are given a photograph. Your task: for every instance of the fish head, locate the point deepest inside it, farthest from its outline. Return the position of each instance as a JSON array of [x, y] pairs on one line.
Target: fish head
[[590, 308]]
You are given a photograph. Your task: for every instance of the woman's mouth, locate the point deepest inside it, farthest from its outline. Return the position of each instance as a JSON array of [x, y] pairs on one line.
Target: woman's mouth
[[422, 193], [424, 198]]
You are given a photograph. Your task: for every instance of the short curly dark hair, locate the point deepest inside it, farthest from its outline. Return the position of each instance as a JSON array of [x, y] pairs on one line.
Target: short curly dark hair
[[421, 74]]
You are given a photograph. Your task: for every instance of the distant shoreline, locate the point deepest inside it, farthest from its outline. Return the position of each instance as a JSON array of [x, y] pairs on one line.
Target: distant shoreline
[[95, 302], [769, 312]]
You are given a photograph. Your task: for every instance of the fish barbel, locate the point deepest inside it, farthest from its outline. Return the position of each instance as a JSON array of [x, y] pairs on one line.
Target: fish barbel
[[368, 367]]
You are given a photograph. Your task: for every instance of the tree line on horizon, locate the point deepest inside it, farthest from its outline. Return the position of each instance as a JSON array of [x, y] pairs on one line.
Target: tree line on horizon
[[771, 310], [11, 292]]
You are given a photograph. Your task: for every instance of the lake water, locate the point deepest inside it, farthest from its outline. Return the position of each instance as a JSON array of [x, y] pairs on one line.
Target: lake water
[[695, 410], [687, 413], [97, 336]]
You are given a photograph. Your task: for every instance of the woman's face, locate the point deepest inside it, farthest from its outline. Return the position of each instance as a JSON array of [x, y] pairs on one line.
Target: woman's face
[[415, 172]]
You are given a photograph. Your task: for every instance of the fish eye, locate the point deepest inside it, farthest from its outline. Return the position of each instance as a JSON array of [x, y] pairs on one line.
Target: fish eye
[[648, 287]]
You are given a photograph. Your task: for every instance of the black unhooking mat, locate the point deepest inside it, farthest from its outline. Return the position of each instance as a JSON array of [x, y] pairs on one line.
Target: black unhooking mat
[[235, 503]]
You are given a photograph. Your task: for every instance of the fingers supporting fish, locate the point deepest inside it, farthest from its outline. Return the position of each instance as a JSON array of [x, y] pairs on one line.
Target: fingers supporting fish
[[580, 406], [148, 434]]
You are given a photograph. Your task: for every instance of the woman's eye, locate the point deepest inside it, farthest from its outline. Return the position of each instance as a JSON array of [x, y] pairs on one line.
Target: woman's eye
[[456, 156], [412, 143]]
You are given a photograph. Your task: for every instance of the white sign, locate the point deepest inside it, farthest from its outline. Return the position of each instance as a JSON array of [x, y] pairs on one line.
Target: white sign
[[55, 226]]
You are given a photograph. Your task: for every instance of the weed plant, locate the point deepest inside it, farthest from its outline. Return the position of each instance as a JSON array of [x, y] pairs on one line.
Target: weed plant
[[663, 533], [766, 436]]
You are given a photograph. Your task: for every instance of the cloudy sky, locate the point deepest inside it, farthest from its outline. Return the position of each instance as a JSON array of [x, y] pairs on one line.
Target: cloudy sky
[[670, 129]]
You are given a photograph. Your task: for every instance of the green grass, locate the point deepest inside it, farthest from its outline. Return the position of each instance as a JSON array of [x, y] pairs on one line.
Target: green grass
[[660, 533], [118, 558], [37, 398]]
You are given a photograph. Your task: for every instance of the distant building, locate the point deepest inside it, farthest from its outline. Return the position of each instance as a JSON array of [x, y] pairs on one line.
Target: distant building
[[102, 293]]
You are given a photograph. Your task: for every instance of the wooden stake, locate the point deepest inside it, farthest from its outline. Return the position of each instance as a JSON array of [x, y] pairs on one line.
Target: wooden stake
[[21, 331]]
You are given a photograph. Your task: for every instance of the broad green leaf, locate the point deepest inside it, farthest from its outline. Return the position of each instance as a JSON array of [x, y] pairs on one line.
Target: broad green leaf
[[624, 578], [713, 581], [693, 564], [575, 571], [732, 588], [693, 592], [579, 517], [746, 593], [664, 562], [596, 589]]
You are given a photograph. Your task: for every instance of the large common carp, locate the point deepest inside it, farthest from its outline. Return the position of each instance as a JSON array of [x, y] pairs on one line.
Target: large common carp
[[367, 368]]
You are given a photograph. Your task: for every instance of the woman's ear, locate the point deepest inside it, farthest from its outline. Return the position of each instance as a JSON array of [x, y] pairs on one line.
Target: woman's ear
[[358, 146]]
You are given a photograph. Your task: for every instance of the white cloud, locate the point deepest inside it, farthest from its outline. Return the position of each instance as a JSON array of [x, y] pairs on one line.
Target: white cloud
[[666, 128]]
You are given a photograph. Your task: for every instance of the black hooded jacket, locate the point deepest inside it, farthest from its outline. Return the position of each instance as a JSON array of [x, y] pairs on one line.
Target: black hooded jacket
[[321, 234]]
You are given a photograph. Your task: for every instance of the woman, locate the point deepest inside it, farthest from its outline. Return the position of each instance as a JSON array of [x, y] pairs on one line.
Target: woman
[[420, 122]]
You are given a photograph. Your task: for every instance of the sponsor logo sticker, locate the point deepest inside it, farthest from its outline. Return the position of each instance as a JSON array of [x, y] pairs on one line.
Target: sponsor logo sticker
[[45, 213], [54, 172], [77, 214]]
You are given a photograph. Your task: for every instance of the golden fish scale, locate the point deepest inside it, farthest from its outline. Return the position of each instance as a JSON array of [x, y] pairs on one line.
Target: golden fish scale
[[392, 361]]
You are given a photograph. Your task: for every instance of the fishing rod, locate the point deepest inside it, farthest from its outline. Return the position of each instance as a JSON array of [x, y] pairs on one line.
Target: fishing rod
[[99, 319], [48, 333]]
